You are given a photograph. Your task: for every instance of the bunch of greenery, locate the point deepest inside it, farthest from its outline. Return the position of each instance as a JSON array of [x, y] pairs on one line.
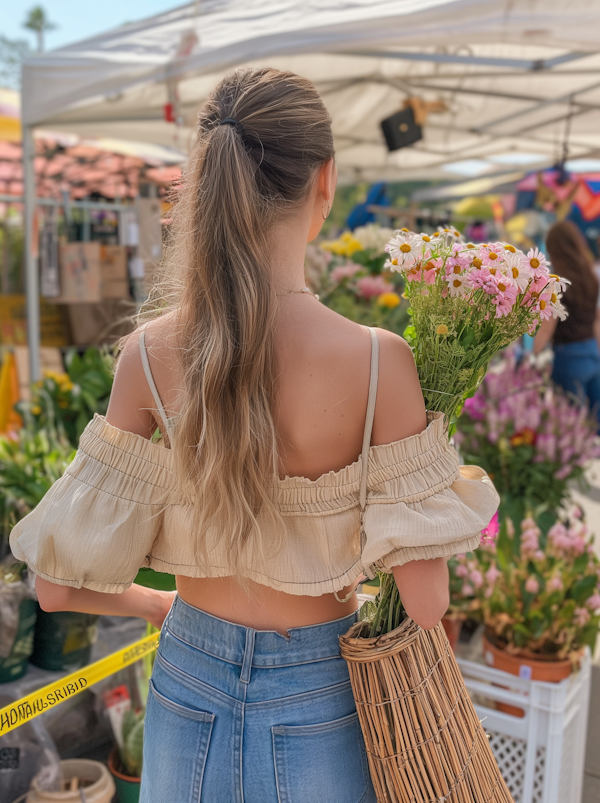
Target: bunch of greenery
[[29, 464], [534, 586], [67, 401]]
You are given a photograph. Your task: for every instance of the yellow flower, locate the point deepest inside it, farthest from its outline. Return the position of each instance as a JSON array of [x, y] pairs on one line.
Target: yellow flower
[[36, 409], [442, 329], [510, 248], [389, 300], [66, 385], [62, 403]]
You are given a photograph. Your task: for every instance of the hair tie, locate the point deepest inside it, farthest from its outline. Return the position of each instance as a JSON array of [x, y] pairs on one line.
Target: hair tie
[[235, 123]]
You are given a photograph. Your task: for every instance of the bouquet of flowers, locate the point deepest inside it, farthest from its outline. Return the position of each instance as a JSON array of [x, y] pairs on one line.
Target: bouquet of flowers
[[531, 438], [466, 302], [536, 591]]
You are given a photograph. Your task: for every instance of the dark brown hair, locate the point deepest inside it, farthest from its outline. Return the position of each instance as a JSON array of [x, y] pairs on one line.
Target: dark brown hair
[[571, 259]]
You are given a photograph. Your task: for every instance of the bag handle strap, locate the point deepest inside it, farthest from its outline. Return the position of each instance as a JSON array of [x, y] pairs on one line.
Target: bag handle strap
[[374, 377], [364, 470], [151, 383]]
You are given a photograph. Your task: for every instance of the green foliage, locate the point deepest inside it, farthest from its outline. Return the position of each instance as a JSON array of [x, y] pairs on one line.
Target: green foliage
[[133, 742], [386, 612], [68, 401], [367, 313], [29, 464]]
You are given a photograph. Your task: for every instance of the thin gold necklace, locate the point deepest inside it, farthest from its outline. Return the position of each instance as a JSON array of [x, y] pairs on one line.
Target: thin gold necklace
[[305, 290]]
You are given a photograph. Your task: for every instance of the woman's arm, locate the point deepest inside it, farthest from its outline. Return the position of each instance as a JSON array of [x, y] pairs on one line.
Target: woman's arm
[[544, 335], [423, 584], [146, 603], [129, 409]]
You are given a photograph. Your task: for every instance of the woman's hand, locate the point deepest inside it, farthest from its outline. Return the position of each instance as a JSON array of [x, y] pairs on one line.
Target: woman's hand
[[147, 603], [423, 586], [161, 605]]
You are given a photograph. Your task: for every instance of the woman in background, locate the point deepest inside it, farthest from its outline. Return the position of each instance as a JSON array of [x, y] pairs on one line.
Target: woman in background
[[576, 352]]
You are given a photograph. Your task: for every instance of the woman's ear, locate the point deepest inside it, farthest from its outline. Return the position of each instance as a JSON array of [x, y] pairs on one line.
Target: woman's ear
[[327, 181]]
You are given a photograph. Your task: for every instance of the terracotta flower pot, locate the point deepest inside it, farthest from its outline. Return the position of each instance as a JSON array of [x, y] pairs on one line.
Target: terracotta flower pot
[[526, 667], [128, 788], [452, 626]]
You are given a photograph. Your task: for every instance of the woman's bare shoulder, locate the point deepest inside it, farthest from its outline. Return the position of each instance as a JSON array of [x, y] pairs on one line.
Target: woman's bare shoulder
[[400, 409]]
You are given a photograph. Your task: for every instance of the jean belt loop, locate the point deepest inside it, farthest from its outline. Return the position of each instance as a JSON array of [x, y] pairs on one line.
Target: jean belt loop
[[248, 654]]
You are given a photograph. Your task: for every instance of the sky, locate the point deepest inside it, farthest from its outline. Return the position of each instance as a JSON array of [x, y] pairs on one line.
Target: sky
[[77, 19]]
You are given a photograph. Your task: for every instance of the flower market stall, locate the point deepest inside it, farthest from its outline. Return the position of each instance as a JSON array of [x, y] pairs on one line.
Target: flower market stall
[[502, 80]]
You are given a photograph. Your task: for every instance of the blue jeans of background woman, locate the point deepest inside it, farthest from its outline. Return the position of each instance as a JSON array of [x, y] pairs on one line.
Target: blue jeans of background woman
[[577, 370], [236, 715]]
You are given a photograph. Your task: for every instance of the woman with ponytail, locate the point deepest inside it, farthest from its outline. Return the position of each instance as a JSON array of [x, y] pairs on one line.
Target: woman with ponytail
[[294, 458]]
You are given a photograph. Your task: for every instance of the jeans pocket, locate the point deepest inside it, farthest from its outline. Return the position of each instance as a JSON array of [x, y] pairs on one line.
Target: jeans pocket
[[176, 743], [324, 763]]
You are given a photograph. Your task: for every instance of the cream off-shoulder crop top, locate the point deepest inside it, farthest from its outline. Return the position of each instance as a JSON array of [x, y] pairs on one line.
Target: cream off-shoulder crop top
[[116, 510]]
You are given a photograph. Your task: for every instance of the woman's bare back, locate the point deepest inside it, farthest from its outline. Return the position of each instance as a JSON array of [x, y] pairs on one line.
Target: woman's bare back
[[323, 365]]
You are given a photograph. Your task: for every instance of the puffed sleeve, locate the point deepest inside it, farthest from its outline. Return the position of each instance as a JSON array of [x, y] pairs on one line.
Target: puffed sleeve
[[422, 504], [97, 523]]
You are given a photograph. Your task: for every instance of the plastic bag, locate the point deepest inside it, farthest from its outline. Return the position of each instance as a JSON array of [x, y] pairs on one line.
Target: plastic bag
[[12, 593], [26, 752]]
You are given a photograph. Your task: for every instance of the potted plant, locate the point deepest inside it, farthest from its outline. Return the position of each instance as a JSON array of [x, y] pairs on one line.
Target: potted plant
[[125, 761], [536, 589], [67, 401], [530, 436]]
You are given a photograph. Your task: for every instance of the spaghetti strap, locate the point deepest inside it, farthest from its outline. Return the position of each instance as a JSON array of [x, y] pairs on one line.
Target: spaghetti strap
[[369, 418], [364, 459], [152, 384]]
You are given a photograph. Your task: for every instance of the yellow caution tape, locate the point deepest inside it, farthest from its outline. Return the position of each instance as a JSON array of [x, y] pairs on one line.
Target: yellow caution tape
[[25, 709]]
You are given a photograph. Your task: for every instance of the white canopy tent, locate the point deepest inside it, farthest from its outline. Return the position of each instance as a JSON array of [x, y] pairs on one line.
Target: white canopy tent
[[514, 75]]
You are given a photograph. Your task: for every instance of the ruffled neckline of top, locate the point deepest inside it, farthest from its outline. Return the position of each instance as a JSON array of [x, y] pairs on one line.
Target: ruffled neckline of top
[[396, 453]]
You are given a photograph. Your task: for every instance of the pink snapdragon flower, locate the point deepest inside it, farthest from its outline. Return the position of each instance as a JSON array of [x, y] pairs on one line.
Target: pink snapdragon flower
[[346, 271], [493, 574], [554, 584], [532, 586], [581, 617], [476, 578], [490, 533], [372, 286], [593, 602], [530, 535]]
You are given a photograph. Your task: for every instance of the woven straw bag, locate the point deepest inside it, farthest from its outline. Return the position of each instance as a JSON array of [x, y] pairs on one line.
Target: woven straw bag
[[424, 741]]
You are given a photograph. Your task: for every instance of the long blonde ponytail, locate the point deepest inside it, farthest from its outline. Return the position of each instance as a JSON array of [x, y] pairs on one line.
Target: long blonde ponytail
[[243, 176]]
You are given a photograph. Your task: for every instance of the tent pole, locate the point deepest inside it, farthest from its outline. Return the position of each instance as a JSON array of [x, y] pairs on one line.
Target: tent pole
[[32, 280]]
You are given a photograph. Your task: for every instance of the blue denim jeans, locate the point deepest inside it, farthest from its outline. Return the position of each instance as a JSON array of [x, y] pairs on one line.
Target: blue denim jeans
[[237, 715], [577, 370]]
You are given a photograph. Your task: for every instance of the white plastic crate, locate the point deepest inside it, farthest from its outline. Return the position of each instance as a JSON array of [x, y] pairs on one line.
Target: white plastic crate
[[541, 755]]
